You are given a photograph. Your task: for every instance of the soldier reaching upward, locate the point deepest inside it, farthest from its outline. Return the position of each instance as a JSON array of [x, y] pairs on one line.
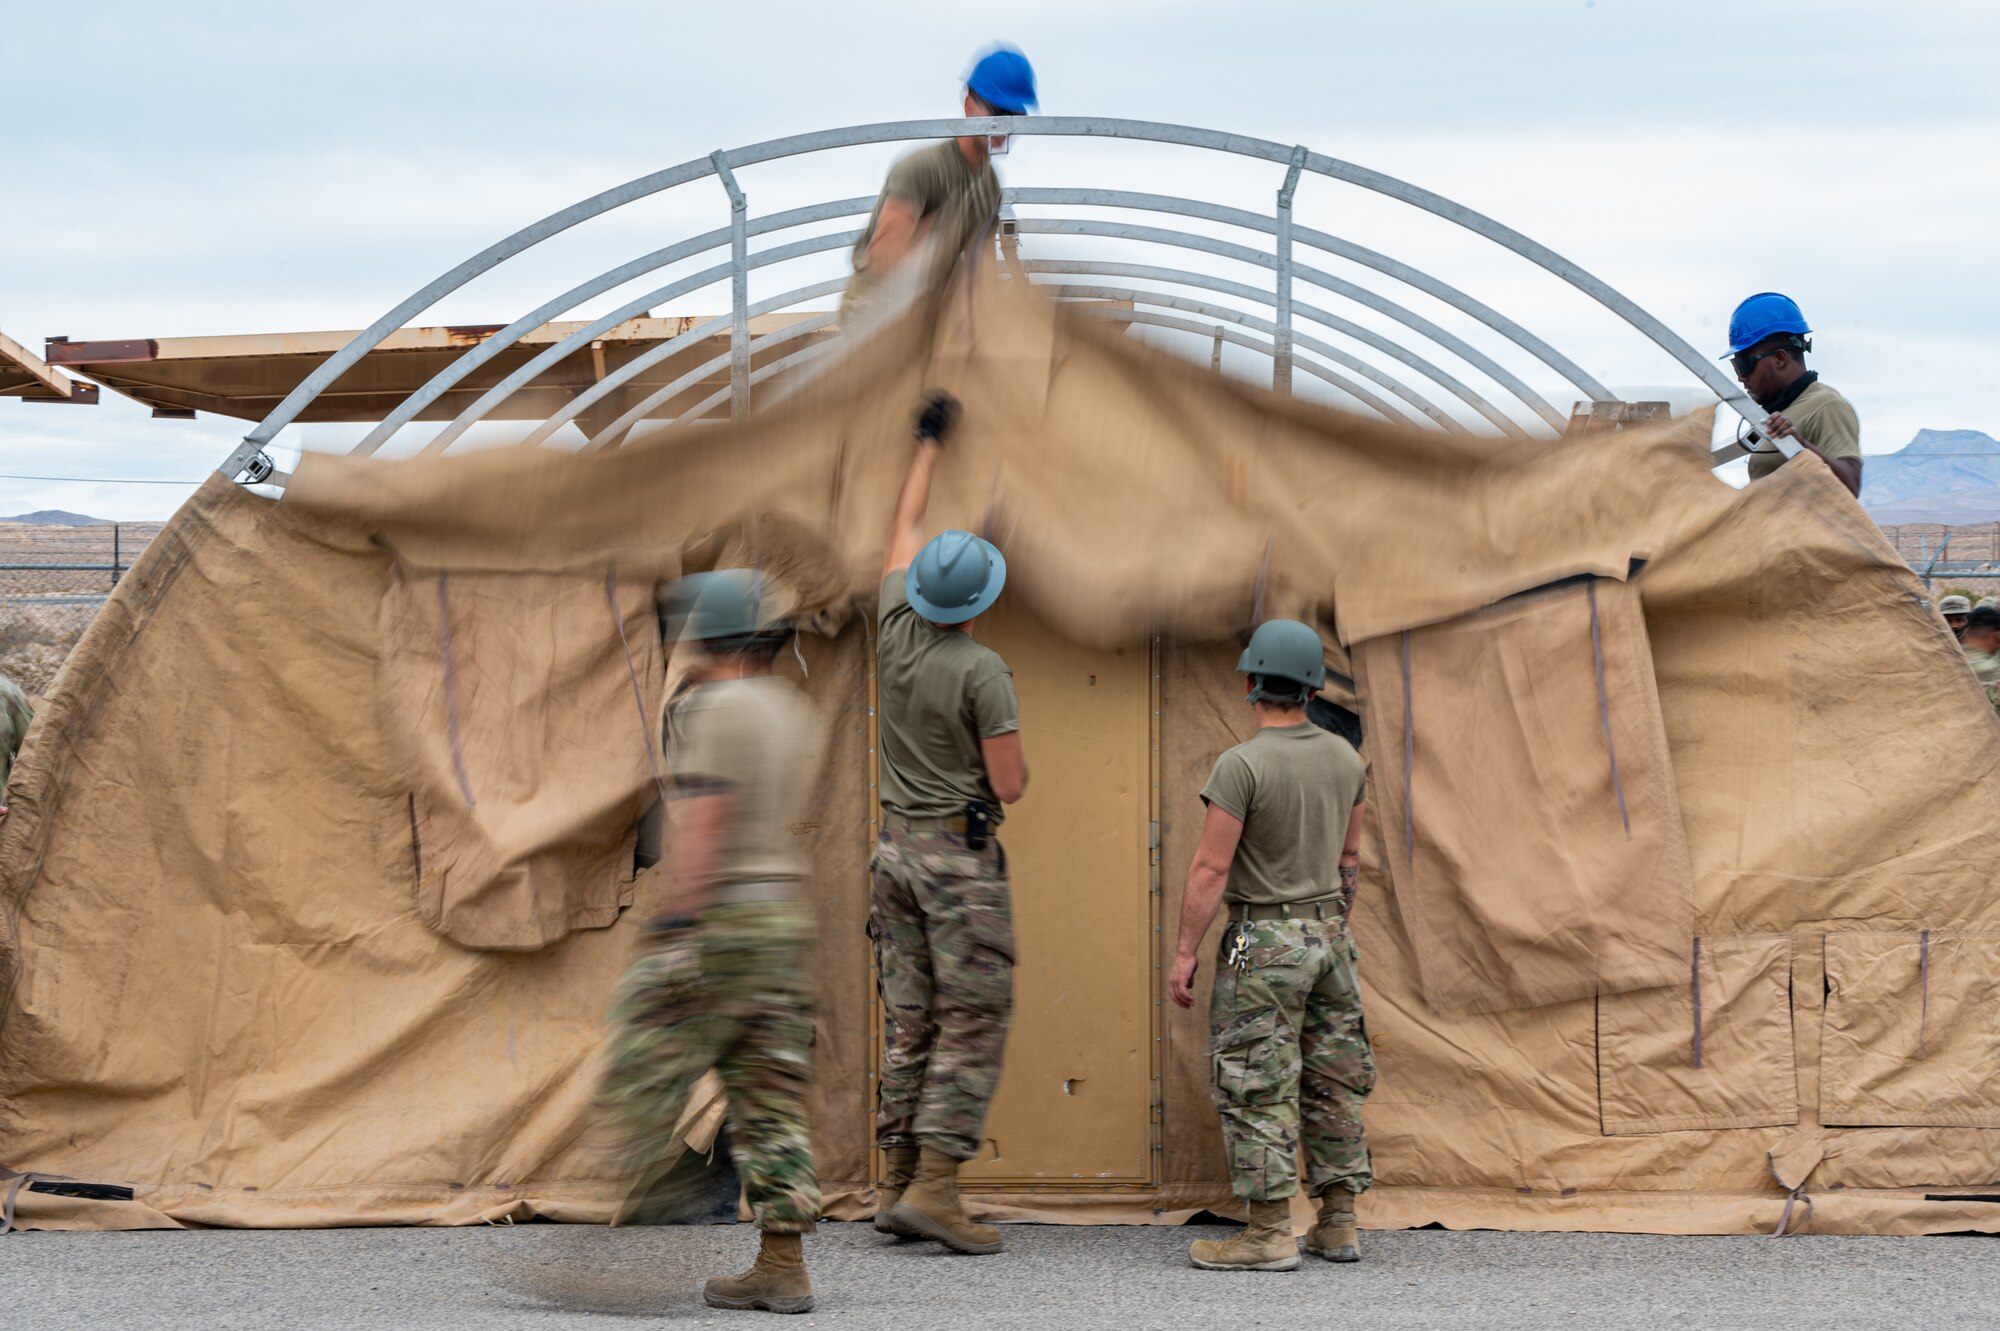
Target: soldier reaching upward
[[941, 916]]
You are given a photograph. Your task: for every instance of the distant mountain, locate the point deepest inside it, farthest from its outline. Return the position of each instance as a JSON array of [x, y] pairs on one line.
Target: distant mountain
[[55, 517], [1948, 476]]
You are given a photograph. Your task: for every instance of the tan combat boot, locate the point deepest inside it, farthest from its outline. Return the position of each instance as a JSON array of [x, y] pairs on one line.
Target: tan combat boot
[[930, 1209], [1334, 1236], [896, 1176], [775, 1283], [1266, 1243]]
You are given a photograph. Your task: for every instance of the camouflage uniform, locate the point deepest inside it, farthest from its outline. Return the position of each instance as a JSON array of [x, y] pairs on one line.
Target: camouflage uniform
[[732, 993], [943, 931], [1290, 1053]]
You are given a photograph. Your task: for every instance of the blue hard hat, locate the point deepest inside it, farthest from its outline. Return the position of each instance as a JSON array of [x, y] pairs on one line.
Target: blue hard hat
[[1761, 316], [1004, 80], [955, 577]]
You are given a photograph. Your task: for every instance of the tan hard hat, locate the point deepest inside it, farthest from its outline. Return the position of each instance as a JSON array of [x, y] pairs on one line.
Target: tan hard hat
[[1954, 605]]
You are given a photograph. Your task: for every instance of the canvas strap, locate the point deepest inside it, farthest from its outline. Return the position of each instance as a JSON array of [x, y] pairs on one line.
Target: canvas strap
[[1793, 1196], [1604, 713], [451, 692], [1409, 761], [1924, 982], [15, 1181], [1694, 988], [638, 694]]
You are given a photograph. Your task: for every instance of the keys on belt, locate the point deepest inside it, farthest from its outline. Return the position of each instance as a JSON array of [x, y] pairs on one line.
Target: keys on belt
[[1238, 959]]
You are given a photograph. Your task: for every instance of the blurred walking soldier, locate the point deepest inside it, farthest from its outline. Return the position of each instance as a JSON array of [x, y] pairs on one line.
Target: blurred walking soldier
[[941, 919], [723, 979], [1281, 846]]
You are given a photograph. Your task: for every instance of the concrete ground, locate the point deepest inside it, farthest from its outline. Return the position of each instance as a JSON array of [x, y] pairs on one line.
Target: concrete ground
[[558, 1276]]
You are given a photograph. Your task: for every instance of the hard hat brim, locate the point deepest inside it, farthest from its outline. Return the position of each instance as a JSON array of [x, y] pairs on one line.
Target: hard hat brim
[[1001, 101], [996, 578]]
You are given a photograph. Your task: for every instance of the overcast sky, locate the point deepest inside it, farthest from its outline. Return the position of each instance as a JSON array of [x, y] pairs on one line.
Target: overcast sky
[[210, 168]]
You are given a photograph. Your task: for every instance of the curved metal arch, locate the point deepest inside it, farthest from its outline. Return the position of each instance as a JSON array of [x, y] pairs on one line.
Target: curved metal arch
[[719, 237], [1237, 337], [652, 356], [576, 295], [1233, 336], [490, 347], [1063, 226], [525, 373], [1243, 291], [757, 376], [722, 161], [1367, 258], [1227, 315]]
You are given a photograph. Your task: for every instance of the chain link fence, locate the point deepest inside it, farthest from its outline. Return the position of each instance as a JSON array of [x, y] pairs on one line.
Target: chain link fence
[[53, 581]]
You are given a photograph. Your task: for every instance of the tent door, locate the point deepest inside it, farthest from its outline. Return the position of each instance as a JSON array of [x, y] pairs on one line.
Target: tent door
[[1077, 1101]]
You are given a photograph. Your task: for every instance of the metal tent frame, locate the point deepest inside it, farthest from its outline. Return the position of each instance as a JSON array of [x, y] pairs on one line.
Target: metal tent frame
[[1404, 366]]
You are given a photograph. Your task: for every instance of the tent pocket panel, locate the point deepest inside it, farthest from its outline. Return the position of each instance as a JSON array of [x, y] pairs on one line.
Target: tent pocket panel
[[523, 733], [1519, 766], [1911, 1035], [1715, 1051]]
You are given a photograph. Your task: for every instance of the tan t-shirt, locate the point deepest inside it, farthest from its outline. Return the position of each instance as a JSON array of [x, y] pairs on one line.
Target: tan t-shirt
[[1823, 417], [760, 740], [946, 191], [1294, 788], [941, 694]]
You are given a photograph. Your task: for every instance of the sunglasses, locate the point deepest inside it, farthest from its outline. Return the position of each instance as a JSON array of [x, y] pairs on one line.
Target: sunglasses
[[1745, 361]]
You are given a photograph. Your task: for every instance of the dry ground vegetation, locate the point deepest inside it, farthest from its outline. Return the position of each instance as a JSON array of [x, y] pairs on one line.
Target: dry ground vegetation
[[45, 609]]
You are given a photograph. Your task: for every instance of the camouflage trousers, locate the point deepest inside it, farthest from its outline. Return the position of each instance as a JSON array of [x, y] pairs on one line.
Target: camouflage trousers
[[944, 962], [733, 993], [1291, 1060]]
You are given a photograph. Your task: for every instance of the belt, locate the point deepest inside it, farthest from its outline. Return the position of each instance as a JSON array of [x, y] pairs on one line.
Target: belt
[[1326, 908], [896, 822], [742, 894]]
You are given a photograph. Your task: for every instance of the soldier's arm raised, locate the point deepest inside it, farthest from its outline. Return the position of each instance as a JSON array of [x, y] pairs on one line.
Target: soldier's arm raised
[[906, 529]]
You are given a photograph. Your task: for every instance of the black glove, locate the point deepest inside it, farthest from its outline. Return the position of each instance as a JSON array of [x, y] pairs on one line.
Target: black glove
[[939, 414]]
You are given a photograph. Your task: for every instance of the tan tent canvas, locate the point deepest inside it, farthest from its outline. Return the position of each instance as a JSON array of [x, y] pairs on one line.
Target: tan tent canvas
[[1675, 917]]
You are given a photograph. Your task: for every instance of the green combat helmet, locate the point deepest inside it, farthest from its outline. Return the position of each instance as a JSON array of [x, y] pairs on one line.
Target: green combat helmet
[[1284, 649], [725, 610]]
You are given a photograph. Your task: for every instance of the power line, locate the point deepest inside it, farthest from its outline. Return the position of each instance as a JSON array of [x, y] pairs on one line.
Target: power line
[[98, 480]]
